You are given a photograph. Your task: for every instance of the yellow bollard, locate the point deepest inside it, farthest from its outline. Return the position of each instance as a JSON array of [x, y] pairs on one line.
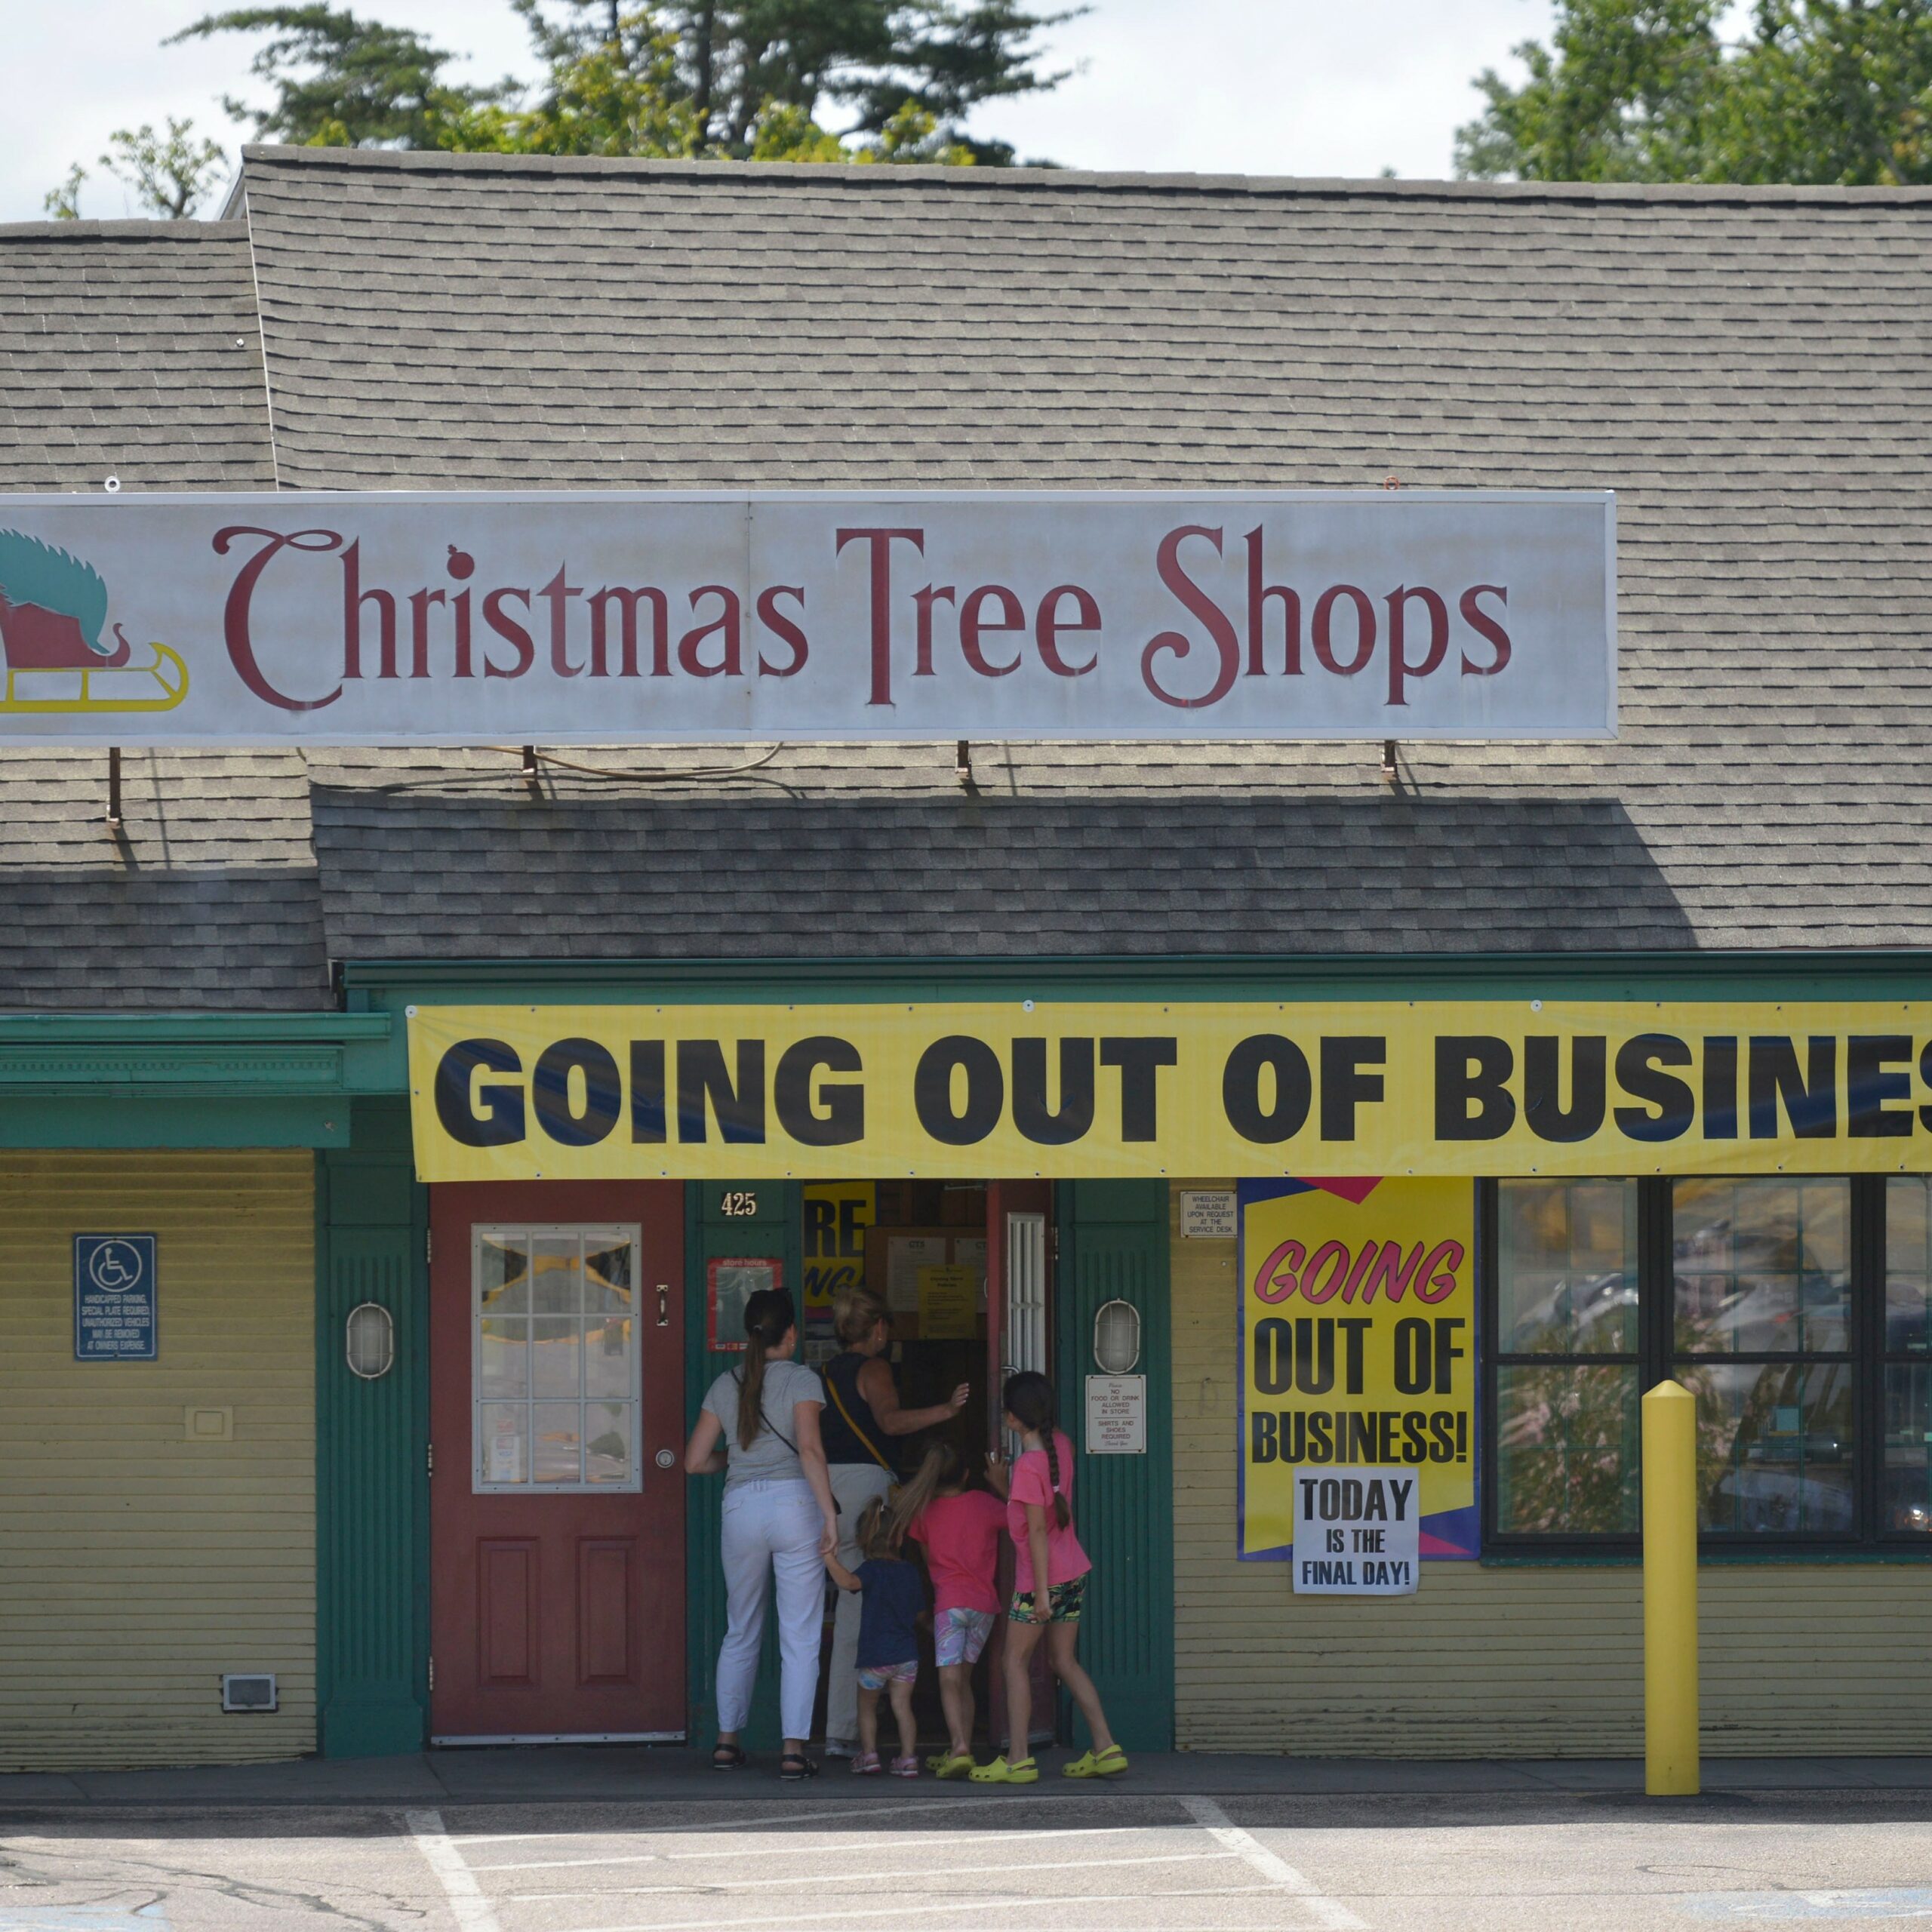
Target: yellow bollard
[[1670, 1591]]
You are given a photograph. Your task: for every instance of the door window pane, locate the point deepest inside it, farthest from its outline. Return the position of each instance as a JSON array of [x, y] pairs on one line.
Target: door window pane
[[558, 1427], [1775, 1446], [1567, 1443], [1907, 1266], [1567, 1268], [1762, 1267], [556, 1391], [1905, 1498]]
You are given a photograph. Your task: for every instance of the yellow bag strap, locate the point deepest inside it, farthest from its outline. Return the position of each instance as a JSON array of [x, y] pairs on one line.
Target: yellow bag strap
[[839, 1403]]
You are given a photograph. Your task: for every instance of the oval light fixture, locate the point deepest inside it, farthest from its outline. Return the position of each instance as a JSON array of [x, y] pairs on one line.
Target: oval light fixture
[[371, 1340], [1116, 1337]]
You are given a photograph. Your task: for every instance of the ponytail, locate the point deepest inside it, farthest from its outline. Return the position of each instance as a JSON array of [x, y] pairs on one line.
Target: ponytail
[[769, 1319], [941, 1467], [1028, 1399]]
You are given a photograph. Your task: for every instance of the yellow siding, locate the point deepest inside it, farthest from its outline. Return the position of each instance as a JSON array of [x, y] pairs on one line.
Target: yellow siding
[[1488, 1661], [139, 1566]]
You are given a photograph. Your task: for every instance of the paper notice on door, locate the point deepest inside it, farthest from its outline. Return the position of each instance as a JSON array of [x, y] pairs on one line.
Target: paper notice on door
[[506, 1460], [905, 1255], [949, 1300], [970, 1251]]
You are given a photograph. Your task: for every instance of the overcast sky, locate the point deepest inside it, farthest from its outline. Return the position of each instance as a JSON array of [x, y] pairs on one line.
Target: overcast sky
[[1255, 87]]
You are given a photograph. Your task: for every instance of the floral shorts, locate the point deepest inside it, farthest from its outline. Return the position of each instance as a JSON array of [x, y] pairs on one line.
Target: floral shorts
[[877, 1676], [1064, 1603], [961, 1635]]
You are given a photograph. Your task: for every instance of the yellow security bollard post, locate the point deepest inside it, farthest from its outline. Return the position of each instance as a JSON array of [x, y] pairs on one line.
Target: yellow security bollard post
[[1670, 1591]]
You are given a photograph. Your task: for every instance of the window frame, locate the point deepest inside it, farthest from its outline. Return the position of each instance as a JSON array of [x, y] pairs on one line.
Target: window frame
[[1656, 1357], [528, 1232]]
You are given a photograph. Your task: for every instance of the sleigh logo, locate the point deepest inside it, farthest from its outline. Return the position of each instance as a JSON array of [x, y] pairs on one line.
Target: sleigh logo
[[53, 611]]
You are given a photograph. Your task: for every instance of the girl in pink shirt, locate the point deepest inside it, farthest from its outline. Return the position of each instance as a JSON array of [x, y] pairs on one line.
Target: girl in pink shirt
[[1049, 1585], [961, 1530]]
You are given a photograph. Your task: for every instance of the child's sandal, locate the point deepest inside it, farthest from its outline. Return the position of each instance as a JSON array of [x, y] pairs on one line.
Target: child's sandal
[[865, 1764], [905, 1768]]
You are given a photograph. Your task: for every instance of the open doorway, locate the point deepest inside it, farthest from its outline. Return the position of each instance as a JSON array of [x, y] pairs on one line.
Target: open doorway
[[964, 1268]]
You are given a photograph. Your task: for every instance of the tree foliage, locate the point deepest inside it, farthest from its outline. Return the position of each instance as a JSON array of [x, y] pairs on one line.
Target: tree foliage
[[1818, 92], [172, 174], [743, 79]]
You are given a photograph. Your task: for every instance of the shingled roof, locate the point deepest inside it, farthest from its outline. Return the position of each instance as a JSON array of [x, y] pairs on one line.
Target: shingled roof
[[1749, 369]]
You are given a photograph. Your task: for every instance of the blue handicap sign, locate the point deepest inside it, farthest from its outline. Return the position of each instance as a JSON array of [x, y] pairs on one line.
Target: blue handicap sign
[[114, 1297]]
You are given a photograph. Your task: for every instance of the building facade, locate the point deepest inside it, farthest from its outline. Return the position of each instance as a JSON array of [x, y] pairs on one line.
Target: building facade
[[215, 959]]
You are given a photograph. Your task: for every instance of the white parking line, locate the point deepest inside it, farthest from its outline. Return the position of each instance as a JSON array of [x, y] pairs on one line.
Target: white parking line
[[468, 1906], [1223, 1830], [695, 1887], [995, 1901], [844, 1852]]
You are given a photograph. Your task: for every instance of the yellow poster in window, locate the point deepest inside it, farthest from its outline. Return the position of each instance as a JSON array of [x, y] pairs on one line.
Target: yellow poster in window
[[837, 1214], [1358, 1348]]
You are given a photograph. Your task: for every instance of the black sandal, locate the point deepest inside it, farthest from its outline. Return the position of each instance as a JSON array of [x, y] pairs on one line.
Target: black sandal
[[796, 1765], [729, 1757]]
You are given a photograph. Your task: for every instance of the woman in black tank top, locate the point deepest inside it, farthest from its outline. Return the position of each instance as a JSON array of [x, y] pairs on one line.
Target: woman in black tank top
[[861, 1424]]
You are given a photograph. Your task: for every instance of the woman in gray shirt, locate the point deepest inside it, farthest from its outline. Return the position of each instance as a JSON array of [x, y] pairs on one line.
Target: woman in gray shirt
[[778, 1519]]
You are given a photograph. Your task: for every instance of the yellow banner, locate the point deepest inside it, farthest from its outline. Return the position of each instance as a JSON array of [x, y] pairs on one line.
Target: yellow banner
[[1358, 1343], [1013, 1088], [836, 1215]]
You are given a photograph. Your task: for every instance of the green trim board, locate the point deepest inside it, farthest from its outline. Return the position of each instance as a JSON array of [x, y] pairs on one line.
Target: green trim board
[[183, 1120], [372, 1514], [1114, 1245], [776, 1226]]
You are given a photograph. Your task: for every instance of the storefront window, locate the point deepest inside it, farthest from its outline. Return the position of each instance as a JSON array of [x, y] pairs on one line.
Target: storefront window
[[1762, 1329], [1905, 1493], [1567, 1364]]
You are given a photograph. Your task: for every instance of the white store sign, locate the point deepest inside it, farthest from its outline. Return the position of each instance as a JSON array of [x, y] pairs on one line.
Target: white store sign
[[1116, 1415], [1357, 1532], [500, 617]]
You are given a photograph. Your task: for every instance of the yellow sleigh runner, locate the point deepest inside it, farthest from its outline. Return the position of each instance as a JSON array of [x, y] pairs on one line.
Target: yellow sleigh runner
[[159, 686]]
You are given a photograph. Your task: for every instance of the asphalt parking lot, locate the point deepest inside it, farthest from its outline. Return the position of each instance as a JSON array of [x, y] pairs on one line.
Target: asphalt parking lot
[[1048, 1860]]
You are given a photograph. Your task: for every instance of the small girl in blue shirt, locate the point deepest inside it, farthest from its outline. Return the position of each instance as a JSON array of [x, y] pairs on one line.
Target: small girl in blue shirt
[[892, 1598]]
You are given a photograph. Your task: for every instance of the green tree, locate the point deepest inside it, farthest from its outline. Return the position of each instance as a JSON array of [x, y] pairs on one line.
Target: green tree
[[172, 174], [1819, 92], [339, 81]]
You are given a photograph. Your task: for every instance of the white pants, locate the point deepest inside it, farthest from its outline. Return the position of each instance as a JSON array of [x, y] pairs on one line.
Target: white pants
[[768, 1526], [854, 1484]]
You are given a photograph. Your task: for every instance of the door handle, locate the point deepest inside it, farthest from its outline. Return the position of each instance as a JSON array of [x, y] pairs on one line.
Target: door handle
[[663, 1306]]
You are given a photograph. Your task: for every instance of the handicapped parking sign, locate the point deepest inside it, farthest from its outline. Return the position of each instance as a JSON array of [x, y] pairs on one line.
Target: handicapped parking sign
[[114, 1297]]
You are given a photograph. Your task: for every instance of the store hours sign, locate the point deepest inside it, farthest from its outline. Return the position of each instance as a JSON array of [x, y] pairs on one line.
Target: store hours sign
[[350, 617], [114, 1297]]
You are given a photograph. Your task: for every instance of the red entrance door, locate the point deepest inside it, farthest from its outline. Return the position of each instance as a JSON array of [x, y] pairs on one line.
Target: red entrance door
[[557, 1504]]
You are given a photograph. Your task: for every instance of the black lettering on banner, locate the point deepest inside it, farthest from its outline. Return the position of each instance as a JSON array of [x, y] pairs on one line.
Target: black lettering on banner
[[647, 1093], [739, 1105], [1075, 1115], [1415, 1365], [1543, 1112], [1446, 1352], [1241, 1088], [1415, 1438], [1810, 1099], [1139, 1058], [1261, 1440], [932, 1089], [1721, 1087], [550, 1089], [1314, 1355], [1442, 1437], [1321, 1440], [501, 1121], [1344, 1085], [1638, 1061], [840, 1117], [1353, 1327], [1472, 1068], [1868, 1085], [1274, 1347]]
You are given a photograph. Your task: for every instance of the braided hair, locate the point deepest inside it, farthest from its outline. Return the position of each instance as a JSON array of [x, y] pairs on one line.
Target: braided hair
[[1028, 1399]]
